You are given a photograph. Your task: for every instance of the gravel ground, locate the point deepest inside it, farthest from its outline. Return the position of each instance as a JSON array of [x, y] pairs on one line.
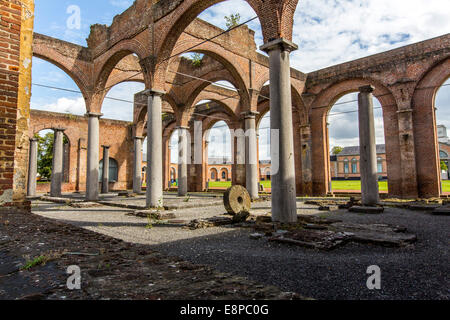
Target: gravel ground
[[419, 272]]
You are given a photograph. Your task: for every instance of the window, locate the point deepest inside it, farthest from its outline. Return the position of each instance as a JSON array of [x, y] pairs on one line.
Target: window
[[268, 174], [354, 166], [443, 154], [224, 175], [213, 175], [113, 170], [379, 165], [346, 166]]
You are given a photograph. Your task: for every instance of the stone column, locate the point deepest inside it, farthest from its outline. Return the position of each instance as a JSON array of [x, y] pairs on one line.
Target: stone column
[[105, 171], [251, 155], [368, 148], [284, 205], [57, 163], [32, 168], [183, 134], [93, 156], [154, 149], [137, 170]]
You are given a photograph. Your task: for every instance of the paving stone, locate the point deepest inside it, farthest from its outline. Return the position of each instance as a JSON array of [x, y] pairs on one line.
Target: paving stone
[[368, 210]]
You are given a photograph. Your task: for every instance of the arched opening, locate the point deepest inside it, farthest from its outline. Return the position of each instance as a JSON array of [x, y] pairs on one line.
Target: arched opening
[[173, 151], [113, 170], [219, 153], [119, 102], [343, 144], [264, 150], [442, 107], [54, 90], [46, 139]]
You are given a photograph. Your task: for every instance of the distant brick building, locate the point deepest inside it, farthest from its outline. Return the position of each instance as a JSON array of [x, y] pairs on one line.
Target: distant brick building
[[345, 165]]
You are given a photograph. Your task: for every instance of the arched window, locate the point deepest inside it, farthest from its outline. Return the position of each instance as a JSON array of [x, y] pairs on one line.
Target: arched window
[[213, 175], [346, 166], [443, 154], [224, 175], [354, 166], [113, 170], [379, 165]]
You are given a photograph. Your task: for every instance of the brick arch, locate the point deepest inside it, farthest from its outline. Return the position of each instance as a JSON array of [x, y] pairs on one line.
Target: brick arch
[[425, 135], [112, 59], [276, 18], [121, 77], [216, 52], [320, 149]]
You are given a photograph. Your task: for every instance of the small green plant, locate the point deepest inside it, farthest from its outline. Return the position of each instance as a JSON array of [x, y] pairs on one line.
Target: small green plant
[[232, 20], [187, 199], [149, 223], [38, 261], [196, 59]]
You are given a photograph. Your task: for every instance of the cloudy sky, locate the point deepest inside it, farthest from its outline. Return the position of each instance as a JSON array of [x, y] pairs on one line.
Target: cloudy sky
[[328, 32]]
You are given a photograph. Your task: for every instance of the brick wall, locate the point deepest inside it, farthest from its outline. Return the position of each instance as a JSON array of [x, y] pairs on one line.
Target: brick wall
[[117, 134], [16, 24]]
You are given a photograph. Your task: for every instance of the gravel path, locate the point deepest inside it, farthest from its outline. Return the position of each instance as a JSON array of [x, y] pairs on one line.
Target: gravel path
[[420, 272]]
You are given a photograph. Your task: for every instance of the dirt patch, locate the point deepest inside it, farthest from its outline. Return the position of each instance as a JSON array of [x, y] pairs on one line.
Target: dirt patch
[[110, 268]]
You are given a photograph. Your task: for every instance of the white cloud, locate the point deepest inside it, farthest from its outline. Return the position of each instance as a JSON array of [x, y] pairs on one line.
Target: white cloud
[[63, 105], [330, 32]]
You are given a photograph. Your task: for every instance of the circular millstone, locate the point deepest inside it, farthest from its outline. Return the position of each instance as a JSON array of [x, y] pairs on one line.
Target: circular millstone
[[236, 200]]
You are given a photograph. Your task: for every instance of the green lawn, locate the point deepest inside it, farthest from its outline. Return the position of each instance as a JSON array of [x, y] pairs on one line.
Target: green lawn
[[445, 185], [355, 185], [337, 185], [227, 184]]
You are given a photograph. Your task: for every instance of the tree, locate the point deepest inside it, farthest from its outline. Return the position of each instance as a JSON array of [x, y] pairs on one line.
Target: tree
[[45, 154], [444, 166], [336, 150], [232, 20]]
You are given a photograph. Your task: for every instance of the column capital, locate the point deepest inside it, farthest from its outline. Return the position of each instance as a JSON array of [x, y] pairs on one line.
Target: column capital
[[281, 43], [153, 92], [138, 138], [302, 126], [366, 89], [249, 114], [94, 114], [405, 111], [59, 129], [34, 139], [106, 147], [182, 128]]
